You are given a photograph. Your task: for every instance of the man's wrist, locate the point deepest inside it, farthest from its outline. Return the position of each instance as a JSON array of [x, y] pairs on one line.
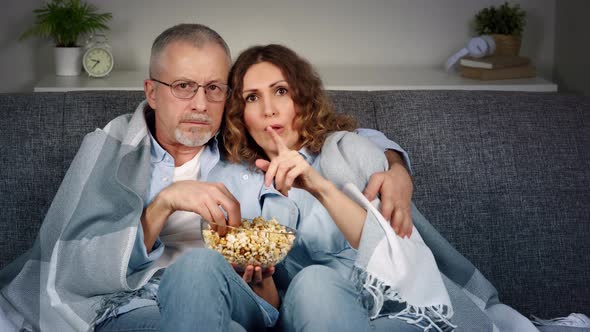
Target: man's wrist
[[159, 208]]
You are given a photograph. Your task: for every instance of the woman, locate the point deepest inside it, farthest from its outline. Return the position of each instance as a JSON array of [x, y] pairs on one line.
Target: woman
[[301, 145], [345, 271]]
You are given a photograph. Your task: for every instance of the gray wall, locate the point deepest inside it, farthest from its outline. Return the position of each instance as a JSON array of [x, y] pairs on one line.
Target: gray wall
[[328, 32], [21, 63], [572, 46]]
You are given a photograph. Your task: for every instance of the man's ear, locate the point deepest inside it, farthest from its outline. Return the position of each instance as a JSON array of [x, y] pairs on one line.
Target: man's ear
[[149, 87]]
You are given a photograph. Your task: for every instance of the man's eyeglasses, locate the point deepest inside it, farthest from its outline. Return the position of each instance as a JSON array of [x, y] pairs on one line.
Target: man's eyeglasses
[[215, 92]]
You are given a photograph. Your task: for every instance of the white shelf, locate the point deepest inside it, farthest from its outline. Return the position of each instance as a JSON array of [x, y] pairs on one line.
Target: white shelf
[[122, 80], [396, 78], [334, 78]]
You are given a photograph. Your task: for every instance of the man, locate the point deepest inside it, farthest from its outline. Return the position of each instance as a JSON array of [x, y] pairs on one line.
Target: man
[[129, 206]]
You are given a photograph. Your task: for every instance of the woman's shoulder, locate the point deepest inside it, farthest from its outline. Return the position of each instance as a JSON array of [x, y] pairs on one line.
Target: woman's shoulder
[[352, 146], [348, 157]]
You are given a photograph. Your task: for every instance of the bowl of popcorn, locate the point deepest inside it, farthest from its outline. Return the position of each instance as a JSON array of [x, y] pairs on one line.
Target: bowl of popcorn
[[257, 242]]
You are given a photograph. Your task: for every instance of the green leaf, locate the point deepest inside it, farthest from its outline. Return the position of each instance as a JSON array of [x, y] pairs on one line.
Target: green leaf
[[506, 19], [64, 21]]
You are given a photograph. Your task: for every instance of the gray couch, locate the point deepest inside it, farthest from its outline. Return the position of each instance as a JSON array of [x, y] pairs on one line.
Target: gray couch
[[505, 177]]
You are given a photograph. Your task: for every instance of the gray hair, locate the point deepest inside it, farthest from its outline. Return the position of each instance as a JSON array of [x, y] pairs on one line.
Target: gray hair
[[196, 34]]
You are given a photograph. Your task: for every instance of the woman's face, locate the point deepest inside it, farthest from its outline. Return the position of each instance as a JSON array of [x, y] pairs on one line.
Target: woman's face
[[268, 101]]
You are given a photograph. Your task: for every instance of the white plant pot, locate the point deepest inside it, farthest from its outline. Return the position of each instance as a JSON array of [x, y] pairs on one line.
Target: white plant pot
[[68, 61]]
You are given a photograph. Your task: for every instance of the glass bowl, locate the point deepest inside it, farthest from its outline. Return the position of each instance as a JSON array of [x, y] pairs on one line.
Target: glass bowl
[[257, 242]]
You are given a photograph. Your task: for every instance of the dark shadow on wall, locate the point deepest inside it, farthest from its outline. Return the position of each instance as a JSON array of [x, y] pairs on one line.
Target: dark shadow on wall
[[571, 70]]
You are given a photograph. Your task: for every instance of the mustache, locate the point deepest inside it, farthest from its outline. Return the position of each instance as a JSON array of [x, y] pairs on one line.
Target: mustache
[[197, 117]]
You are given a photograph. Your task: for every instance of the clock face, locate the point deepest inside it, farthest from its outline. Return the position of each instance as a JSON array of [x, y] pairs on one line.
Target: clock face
[[98, 62]]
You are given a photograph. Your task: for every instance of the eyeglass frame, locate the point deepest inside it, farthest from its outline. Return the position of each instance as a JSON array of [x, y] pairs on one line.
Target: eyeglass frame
[[170, 85]]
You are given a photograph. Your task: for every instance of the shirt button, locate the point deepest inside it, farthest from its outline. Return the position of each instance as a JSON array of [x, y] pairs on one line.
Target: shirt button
[[245, 176]]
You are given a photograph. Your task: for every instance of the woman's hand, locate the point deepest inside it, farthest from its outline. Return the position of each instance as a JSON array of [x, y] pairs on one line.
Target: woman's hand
[[288, 169], [255, 274], [261, 282]]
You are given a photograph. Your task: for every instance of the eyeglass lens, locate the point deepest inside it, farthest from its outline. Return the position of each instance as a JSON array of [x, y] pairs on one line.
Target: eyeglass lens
[[187, 89]]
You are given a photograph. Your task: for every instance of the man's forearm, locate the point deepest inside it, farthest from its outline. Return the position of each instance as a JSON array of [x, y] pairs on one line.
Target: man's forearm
[[153, 219]]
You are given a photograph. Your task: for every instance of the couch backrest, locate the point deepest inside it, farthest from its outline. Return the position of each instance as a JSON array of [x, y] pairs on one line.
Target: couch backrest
[[505, 177], [40, 134]]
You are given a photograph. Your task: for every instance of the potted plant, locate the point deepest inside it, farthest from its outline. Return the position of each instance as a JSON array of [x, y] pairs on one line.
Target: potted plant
[[505, 24], [65, 21]]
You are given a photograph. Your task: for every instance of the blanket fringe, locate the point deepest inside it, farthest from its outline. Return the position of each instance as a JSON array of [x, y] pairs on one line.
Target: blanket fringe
[[376, 293], [110, 304]]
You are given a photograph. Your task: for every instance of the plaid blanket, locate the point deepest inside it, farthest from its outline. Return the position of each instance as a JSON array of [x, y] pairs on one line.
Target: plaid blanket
[[86, 239]]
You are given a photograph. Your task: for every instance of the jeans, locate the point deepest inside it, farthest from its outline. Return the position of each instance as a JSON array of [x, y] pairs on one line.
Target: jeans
[[320, 299], [199, 292]]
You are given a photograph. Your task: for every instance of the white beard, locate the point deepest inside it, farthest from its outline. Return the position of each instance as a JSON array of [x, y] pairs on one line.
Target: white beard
[[194, 139]]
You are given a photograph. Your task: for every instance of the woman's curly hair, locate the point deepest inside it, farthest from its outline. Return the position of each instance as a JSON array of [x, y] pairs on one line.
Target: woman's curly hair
[[315, 116]]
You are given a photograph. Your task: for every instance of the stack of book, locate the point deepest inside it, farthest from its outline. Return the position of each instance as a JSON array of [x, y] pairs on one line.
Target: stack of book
[[497, 67]]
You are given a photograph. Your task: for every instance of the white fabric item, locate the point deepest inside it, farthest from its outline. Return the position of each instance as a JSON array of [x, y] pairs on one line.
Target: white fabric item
[[573, 320], [405, 264], [191, 170]]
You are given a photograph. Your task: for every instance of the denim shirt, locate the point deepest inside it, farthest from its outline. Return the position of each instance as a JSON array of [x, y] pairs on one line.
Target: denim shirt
[[318, 241], [246, 184]]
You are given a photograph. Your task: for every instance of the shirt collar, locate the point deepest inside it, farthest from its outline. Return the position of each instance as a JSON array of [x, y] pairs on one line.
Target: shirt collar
[[158, 153]]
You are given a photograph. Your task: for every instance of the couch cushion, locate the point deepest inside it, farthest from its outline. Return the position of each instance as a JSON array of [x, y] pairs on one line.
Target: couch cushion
[[505, 177]]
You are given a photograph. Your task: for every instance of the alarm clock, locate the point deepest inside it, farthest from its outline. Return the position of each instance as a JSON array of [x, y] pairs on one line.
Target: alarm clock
[[98, 59]]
